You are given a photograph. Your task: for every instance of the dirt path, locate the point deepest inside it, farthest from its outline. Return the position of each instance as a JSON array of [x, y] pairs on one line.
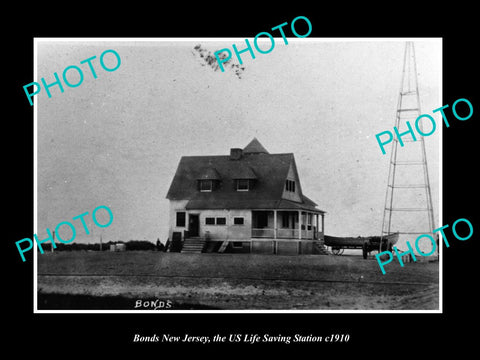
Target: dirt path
[[232, 294], [255, 283]]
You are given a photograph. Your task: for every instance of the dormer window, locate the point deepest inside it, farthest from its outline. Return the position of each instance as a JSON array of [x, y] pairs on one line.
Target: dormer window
[[244, 178], [290, 185], [243, 185], [208, 180], [206, 185]]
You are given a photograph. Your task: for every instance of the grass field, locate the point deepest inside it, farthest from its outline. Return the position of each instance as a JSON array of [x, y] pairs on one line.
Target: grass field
[[117, 280]]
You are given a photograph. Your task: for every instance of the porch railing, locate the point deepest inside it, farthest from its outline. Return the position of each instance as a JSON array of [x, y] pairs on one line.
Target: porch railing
[[263, 233], [287, 233], [281, 233]]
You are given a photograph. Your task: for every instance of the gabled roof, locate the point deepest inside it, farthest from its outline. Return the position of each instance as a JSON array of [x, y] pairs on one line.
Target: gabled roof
[[209, 173], [268, 171], [243, 171]]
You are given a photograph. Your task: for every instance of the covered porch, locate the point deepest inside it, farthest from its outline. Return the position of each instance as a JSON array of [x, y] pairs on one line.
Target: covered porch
[[288, 224]]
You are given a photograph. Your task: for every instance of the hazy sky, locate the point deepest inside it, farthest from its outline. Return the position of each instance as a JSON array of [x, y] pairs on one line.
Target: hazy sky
[[116, 140]]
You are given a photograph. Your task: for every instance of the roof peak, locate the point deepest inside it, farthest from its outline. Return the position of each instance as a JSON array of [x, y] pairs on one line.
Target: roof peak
[[255, 147]]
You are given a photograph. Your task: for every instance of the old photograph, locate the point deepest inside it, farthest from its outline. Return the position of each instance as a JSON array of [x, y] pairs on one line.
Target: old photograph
[[212, 175]]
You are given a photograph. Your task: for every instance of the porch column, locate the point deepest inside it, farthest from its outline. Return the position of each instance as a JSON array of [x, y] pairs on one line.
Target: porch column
[[275, 224], [306, 224], [323, 229], [299, 225], [310, 216], [316, 227]]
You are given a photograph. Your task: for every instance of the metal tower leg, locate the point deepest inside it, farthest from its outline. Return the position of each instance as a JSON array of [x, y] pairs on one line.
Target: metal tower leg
[[408, 109]]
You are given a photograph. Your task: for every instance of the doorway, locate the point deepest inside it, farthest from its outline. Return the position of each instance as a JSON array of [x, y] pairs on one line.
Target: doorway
[[193, 225]]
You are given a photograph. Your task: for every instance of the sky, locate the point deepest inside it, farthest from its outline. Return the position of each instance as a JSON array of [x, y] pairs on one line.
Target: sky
[[116, 140]]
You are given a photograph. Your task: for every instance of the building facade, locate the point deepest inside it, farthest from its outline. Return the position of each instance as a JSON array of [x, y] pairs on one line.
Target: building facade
[[248, 201]]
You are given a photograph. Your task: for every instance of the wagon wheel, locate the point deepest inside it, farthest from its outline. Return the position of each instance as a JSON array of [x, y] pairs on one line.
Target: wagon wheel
[[389, 246], [365, 250], [337, 251]]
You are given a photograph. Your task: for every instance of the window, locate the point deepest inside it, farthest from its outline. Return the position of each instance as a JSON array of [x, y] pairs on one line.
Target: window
[[181, 219], [260, 219], [285, 220], [290, 185], [238, 221], [215, 221], [206, 185], [242, 185]]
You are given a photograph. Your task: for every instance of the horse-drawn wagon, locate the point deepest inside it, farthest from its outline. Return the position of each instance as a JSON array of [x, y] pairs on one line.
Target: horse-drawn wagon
[[366, 244]]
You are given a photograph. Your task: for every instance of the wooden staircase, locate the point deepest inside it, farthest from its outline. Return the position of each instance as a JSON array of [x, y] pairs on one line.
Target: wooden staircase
[[320, 248], [193, 245], [223, 246]]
